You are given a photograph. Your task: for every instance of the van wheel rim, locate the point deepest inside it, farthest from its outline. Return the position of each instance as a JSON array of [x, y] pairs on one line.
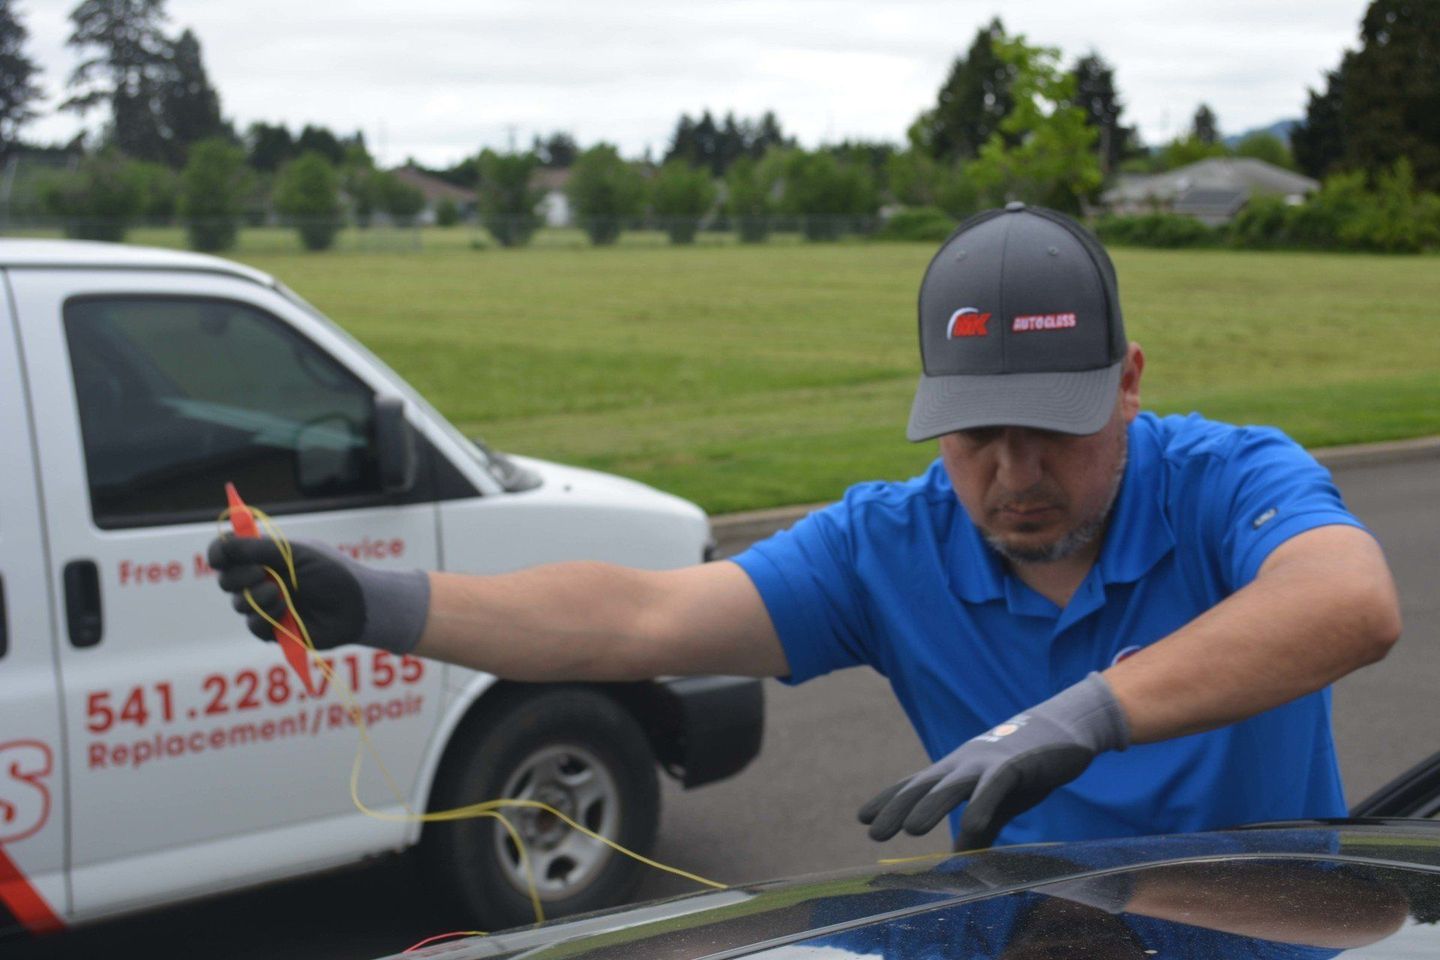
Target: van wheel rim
[[572, 780]]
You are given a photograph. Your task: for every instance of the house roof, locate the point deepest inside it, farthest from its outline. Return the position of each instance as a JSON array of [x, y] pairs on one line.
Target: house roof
[[1244, 174], [433, 188], [1209, 203], [548, 178]]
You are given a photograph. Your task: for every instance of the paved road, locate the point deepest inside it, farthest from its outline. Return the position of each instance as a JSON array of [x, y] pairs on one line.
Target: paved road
[[829, 745]]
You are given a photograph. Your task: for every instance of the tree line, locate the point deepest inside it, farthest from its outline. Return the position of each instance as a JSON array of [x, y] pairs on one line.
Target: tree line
[[1010, 121]]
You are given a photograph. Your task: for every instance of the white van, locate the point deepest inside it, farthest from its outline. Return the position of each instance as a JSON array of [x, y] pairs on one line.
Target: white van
[[148, 753]]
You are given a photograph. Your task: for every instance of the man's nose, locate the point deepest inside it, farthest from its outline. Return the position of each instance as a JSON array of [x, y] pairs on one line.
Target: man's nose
[[1018, 458]]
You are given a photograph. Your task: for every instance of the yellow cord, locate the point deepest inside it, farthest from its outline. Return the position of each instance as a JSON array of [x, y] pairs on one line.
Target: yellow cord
[[488, 808]]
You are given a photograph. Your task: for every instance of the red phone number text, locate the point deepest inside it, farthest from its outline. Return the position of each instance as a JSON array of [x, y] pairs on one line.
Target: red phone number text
[[246, 690]]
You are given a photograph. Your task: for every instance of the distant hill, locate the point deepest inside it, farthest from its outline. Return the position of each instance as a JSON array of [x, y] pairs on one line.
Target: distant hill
[[1280, 128]]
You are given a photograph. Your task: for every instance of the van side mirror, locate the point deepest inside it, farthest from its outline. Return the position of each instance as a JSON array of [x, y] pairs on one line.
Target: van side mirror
[[395, 445]]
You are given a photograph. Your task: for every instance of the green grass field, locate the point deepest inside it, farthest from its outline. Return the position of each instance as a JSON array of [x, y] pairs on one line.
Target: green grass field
[[745, 377]]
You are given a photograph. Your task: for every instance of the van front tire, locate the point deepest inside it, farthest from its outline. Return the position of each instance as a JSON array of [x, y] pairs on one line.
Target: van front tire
[[577, 751]]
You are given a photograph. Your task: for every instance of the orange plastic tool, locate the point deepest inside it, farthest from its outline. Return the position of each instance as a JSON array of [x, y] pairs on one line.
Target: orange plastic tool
[[242, 521]]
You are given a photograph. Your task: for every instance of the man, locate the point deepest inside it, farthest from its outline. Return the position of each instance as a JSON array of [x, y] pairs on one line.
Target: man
[[1103, 578]]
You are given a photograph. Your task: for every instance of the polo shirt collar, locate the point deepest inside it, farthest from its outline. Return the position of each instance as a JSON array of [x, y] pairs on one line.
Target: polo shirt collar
[[1139, 532], [977, 574], [1137, 537]]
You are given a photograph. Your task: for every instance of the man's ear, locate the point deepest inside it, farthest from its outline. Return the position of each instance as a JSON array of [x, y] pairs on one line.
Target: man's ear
[[1130, 381]]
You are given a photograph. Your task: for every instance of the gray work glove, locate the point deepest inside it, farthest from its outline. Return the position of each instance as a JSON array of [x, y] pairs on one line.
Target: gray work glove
[[340, 600], [1006, 770]]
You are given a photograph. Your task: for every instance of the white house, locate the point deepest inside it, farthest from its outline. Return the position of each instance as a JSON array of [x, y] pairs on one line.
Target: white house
[[1212, 191]]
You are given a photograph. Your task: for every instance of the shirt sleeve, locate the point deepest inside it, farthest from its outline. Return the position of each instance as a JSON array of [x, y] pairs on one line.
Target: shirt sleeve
[[1265, 490], [806, 577]]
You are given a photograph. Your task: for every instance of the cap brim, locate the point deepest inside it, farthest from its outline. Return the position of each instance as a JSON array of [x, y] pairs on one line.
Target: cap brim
[[1078, 402]]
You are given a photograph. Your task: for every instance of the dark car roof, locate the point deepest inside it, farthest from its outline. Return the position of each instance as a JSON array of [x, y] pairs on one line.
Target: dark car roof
[[1371, 888]]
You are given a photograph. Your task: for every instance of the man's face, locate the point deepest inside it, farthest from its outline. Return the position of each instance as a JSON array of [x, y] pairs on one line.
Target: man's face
[[1041, 496]]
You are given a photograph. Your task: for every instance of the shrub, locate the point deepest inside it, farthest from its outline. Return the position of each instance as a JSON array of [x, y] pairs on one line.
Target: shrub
[[1266, 221], [447, 214], [1317, 223], [605, 191], [308, 195], [1396, 219], [919, 224], [1166, 230], [747, 200], [829, 197], [1266, 147], [101, 200], [358, 182], [212, 194], [1346, 214], [160, 192], [918, 180], [680, 196], [397, 198], [507, 201]]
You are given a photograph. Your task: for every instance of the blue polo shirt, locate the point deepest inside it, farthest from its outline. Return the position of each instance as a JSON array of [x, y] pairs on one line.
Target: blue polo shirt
[[896, 577]]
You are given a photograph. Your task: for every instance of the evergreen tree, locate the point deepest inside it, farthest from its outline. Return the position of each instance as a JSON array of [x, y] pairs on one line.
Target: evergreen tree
[[764, 135], [707, 142], [18, 89], [190, 106], [270, 147], [127, 74], [1319, 142], [704, 143], [683, 145], [1095, 94], [971, 104], [1382, 104], [557, 151], [317, 139], [1204, 128], [1390, 108]]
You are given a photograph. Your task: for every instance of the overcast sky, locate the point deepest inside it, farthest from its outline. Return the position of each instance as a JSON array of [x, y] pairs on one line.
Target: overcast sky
[[437, 79]]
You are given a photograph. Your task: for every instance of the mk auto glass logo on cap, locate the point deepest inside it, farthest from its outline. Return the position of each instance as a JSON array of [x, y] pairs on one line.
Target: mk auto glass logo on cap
[[1043, 321], [966, 322]]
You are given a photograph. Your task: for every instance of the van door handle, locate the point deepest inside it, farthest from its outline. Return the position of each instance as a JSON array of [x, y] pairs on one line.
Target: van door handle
[[4, 621], [82, 603]]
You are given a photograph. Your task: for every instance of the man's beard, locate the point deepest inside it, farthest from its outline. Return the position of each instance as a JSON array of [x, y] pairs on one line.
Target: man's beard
[[1081, 535]]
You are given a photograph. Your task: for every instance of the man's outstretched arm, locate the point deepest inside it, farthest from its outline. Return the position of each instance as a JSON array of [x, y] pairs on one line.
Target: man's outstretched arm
[[1322, 605], [563, 621], [596, 621]]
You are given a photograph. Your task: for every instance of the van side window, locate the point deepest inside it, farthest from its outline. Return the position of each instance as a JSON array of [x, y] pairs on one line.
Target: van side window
[[177, 396]]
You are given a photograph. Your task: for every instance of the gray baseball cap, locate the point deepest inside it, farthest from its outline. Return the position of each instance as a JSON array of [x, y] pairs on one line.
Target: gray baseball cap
[[1019, 326]]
